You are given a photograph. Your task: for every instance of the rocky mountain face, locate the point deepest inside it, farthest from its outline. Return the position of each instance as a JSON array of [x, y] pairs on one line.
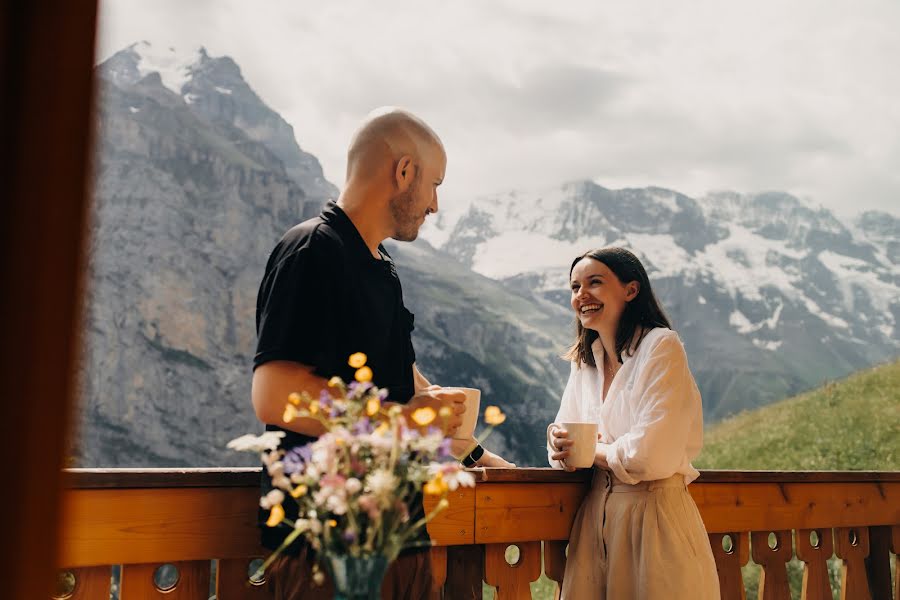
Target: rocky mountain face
[[197, 178], [191, 193], [770, 295]]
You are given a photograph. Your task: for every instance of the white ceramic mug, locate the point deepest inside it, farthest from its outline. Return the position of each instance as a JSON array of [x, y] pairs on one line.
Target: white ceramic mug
[[582, 452], [466, 431]]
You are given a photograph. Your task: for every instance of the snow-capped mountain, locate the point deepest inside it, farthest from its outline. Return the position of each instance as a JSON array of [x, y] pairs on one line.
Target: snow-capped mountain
[[771, 294]]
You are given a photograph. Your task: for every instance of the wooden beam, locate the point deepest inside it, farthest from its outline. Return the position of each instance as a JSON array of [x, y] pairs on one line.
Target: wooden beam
[[46, 66], [159, 525]]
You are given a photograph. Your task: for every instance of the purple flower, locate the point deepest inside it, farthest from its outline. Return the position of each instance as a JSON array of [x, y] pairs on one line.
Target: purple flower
[[325, 398], [349, 536], [363, 426], [382, 395], [295, 459], [443, 450]]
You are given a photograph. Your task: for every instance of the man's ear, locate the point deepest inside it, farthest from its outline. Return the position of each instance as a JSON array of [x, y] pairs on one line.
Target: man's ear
[[404, 173], [631, 290]]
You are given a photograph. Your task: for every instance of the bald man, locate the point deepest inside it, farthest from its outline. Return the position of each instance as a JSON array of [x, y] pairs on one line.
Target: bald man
[[330, 289]]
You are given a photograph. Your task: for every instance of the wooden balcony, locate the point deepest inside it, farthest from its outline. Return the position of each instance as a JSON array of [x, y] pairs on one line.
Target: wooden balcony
[[203, 522]]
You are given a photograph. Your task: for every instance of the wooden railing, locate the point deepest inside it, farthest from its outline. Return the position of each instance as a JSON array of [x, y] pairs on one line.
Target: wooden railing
[[142, 519]]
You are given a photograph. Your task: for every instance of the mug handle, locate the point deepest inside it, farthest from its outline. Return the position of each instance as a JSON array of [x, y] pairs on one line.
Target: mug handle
[[550, 429]]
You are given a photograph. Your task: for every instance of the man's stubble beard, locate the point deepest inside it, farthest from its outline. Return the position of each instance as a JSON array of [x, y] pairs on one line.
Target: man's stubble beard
[[405, 222]]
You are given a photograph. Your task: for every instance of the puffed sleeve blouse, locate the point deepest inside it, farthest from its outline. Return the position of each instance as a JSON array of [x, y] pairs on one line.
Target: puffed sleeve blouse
[[652, 417]]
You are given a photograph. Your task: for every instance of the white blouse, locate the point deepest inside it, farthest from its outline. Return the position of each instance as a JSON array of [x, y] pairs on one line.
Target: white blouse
[[652, 419]]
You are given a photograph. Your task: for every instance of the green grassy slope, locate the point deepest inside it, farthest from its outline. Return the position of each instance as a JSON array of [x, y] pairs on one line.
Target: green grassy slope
[[851, 424]]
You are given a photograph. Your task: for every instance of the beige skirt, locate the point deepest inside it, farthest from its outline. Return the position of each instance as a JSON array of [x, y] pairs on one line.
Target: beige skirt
[[640, 542]]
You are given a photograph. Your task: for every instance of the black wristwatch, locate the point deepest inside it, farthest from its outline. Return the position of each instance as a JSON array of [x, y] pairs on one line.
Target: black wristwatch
[[473, 456]]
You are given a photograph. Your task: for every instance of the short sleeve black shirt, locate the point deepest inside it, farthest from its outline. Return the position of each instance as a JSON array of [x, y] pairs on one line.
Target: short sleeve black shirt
[[324, 297]]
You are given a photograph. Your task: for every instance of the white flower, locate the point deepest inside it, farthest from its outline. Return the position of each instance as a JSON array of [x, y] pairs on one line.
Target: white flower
[[381, 483], [454, 475], [257, 443], [271, 499], [281, 482], [353, 485]]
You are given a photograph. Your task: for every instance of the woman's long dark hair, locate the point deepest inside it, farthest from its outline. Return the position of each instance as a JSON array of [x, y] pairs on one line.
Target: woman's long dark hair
[[642, 312]]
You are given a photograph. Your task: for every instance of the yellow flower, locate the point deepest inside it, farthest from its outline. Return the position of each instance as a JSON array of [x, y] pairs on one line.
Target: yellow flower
[[294, 398], [424, 416], [332, 523], [339, 442], [373, 405], [357, 360], [276, 516], [334, 381], [298, 491], [313, 407], [445, 411], [381, 429], [436, 487], [363, 374], [493, 415], [289, 413]]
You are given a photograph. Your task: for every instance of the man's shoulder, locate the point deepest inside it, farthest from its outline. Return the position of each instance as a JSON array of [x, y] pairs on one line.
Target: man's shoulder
[[313, 235]]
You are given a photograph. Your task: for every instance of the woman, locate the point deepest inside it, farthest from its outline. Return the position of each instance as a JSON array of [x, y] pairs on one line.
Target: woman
[[638, 533]]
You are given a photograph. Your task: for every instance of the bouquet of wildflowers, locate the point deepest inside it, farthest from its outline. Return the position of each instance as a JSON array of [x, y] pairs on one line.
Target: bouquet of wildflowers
[[356, 483]]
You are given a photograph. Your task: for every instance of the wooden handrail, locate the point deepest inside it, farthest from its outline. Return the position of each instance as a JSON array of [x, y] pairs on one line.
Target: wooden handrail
[[151, 516]]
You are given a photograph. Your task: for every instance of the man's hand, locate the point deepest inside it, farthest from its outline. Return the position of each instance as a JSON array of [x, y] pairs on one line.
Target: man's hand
[[437, 398], [460, 448], [489, 459]]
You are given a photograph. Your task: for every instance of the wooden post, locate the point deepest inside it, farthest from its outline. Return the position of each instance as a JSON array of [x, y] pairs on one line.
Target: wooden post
[[816, 584], [233, 581], [513, 581], [851, 544], [729, 563], [465, 572], [555, 562], [192, 584], [438, 571], [46, 72], [878, 563], [773, 581]]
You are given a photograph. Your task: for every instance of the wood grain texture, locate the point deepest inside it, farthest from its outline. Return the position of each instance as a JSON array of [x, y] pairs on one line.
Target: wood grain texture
[[773, 581], [104, 527]]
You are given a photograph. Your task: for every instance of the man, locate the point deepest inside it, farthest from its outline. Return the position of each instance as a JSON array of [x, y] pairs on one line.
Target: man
[[330, 290]]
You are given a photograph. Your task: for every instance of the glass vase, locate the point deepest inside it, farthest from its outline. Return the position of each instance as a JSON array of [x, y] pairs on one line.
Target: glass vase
[[356, 577]]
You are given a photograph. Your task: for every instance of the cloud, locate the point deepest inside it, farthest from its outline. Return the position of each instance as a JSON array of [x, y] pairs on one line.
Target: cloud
[[696, 95]]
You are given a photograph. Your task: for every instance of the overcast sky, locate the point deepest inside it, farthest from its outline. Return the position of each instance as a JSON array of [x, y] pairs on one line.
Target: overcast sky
[[691, 95]]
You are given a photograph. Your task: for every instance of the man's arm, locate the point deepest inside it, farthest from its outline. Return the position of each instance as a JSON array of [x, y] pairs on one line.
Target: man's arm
[[273, 382]]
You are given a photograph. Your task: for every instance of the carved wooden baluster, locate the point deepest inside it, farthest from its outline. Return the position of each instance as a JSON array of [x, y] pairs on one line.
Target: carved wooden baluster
[[895, 548], [90, 583], [814, 548], [851, 544], [555, 562], [438, 571], [465, 572], [878, 563], [773, 581], [729, 562], [512, 581], [193, 581], [233, 581]]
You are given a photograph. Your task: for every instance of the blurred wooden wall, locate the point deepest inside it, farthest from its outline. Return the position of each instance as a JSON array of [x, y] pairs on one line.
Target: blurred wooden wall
[[46, 64]]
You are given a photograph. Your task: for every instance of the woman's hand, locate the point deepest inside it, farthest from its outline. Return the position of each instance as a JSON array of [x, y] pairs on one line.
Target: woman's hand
[[559, 440], [600, 455]]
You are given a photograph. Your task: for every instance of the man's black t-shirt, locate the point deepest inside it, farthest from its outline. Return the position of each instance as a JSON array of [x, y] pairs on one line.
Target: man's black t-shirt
[[324, 297]]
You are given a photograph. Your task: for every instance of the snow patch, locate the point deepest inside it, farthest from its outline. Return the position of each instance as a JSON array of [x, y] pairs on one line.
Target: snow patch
[[767, 344], [174, 66], [222, 90], [514, 252], [134, 109]]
